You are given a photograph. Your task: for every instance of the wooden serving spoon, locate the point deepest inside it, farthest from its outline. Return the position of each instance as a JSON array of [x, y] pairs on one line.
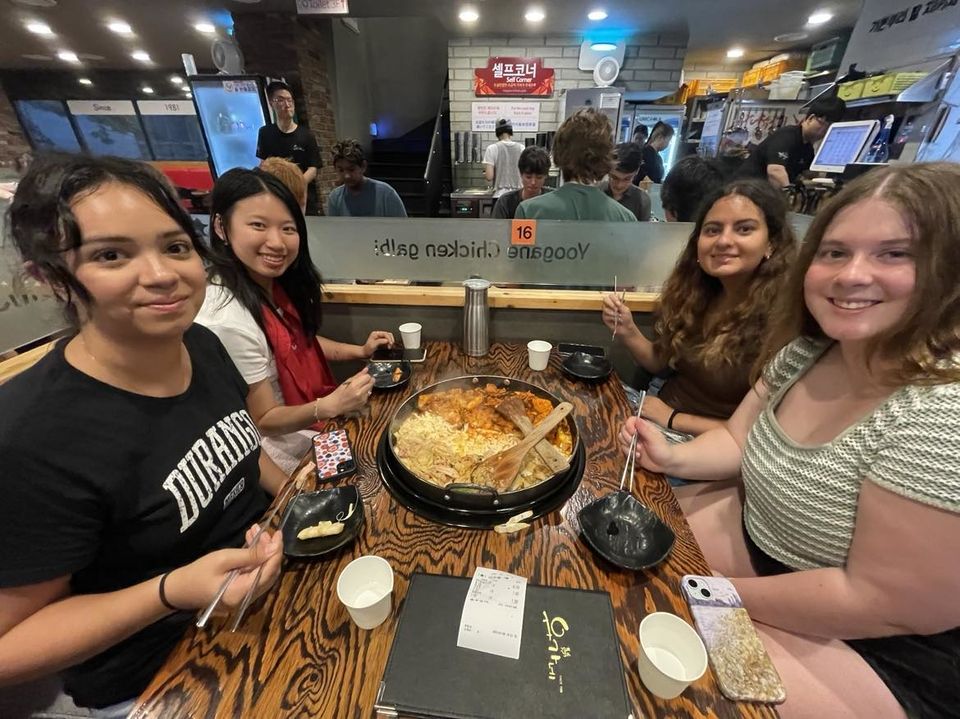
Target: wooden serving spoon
[[499, 469], [512, 408]]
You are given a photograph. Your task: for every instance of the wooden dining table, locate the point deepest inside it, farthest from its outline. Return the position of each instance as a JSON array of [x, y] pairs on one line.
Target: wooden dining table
[[298, 654]]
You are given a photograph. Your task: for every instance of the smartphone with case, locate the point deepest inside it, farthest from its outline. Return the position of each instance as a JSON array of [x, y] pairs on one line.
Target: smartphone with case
[[397, 354], [743, 668], [333, 455]]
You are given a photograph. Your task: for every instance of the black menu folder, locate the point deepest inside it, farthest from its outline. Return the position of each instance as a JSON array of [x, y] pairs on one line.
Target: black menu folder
[[569, 665]]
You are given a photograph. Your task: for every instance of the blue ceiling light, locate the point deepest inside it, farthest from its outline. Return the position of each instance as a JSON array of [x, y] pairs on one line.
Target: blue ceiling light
[[603, 46]]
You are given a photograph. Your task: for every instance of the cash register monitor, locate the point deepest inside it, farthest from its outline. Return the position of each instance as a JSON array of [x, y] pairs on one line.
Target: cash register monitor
[[843, 145]]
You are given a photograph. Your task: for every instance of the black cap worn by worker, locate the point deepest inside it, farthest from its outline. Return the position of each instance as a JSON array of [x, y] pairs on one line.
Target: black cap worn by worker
[[503, 126]]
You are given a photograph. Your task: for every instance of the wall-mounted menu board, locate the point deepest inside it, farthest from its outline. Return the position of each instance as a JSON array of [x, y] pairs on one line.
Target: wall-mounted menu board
[[110, 127], [47, 124], [173, 129]]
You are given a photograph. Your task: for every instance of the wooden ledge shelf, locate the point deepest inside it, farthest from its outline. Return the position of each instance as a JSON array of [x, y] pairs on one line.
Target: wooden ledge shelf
[[500, 298]]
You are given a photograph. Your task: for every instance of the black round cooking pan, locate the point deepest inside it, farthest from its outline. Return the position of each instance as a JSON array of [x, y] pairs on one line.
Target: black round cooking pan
[[464, 495]]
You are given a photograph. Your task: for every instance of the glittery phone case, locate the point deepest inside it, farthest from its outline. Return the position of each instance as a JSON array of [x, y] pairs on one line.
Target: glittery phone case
[[743, 668], [333, 455]]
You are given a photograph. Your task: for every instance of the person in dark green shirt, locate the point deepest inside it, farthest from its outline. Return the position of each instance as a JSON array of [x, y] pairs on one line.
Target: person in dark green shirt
[[583, 150]]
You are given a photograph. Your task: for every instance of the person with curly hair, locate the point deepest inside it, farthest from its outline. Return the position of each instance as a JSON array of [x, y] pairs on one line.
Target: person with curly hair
[[583, 150], [831, 498], [358, 195], [713, 310]]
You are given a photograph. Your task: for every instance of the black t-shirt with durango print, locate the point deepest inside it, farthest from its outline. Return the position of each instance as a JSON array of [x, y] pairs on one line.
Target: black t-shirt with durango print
[[114, 488]]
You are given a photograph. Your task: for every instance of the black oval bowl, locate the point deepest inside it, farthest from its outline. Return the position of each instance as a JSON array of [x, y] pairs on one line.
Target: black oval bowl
[[625, 532], [309, 508], [587, 367], [382, 373]]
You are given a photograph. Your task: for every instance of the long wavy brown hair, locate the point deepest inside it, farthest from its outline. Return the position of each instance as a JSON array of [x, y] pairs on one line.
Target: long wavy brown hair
[[922, 346], [736, 337]]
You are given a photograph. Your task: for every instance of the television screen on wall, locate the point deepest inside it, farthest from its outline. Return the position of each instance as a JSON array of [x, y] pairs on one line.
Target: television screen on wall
[[47, 124]]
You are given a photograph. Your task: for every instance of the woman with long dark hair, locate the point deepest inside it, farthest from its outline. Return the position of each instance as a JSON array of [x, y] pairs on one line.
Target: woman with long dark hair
[[130, 462], [263, 302], [713, 310]]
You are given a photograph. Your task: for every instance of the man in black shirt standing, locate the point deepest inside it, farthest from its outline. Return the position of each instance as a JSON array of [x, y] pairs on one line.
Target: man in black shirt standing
[[286, 139], [789, 151]]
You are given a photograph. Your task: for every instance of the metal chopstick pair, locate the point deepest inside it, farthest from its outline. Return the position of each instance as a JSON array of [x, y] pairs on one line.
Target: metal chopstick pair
[[631, 464], [616, 324], [283, 501]]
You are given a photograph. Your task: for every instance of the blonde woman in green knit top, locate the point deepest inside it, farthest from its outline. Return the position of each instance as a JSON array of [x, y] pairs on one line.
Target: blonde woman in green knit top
[[842, 530]]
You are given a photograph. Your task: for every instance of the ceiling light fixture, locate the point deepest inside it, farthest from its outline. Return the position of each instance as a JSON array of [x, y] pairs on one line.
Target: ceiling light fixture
[[39, 28], [820, 17], [85, 81], [534, 14], [468, 14], [604, 46], [791, 37], [147, 90], [189, 96], [120, 27], [205, 27], [735, 52], [597, 15], [140, 55], [176, 79], [68, 56]]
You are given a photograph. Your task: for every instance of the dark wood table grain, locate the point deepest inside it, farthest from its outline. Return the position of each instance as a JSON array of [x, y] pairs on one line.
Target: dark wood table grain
[[299, 655]]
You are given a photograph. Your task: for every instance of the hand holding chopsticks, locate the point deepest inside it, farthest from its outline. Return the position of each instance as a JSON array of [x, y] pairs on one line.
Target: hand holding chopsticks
[[616, 312]]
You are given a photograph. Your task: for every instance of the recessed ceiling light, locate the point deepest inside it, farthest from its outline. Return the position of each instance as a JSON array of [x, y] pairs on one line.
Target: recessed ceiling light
[[735, 52], [597, 14], [534, 14], [39, 28], [120, 27], [791, 37], [176, 79], [85, 81], [189, 95], [468, 14], [68, 56], [205, 27], [820, 17], [147, 90], [603, 46], [140, 55]]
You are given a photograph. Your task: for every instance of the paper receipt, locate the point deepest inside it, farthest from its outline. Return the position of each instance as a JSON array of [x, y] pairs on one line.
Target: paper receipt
[[492, 619]]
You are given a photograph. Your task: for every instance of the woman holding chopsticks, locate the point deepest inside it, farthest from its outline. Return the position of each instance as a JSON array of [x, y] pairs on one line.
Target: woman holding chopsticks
[[713, 309], [131, 467]]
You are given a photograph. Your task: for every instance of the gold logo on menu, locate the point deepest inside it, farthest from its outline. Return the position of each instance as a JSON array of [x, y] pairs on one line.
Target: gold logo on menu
[[556, 629]]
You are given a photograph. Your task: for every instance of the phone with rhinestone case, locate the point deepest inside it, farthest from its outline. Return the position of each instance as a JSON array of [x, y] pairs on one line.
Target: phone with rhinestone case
[[333, 455], [743, 668]]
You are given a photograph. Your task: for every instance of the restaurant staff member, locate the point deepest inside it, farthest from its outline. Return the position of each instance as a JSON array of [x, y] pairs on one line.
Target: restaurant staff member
[[789, 151], [285, 138], [500, 160], [651, 166], [619, 183], [534, 165]]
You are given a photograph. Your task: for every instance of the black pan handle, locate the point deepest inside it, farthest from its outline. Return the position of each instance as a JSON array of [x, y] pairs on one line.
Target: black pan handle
[[468, 488]]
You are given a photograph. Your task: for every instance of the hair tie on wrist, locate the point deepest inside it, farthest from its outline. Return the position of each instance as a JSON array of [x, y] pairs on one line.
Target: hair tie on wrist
[[163, 595], [672, 417]]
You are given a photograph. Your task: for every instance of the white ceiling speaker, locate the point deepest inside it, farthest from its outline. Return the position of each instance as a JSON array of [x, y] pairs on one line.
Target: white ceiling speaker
[[606, 71], [227, 56]]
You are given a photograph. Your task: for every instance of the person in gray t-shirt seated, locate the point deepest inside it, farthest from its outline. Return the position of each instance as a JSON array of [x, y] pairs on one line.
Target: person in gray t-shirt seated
[[359, 195], [534, 165], [619, 183]]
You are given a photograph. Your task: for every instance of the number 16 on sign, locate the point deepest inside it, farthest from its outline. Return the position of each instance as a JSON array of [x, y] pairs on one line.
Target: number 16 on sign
[[523, 232]]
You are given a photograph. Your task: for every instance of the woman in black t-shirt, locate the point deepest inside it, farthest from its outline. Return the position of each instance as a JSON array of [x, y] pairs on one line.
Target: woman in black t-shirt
[[130, 464]]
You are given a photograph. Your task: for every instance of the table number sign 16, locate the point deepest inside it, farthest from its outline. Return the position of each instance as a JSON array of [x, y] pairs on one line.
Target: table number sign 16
[[523, 232]]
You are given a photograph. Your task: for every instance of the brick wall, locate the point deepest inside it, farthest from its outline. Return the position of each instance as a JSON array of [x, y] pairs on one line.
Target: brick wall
[[13, 142], [651, 62], [296, 49]]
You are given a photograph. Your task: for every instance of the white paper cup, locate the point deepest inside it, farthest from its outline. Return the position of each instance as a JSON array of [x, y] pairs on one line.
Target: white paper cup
[[538, 354], [410, 334], [365, 587], [672, 655]]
